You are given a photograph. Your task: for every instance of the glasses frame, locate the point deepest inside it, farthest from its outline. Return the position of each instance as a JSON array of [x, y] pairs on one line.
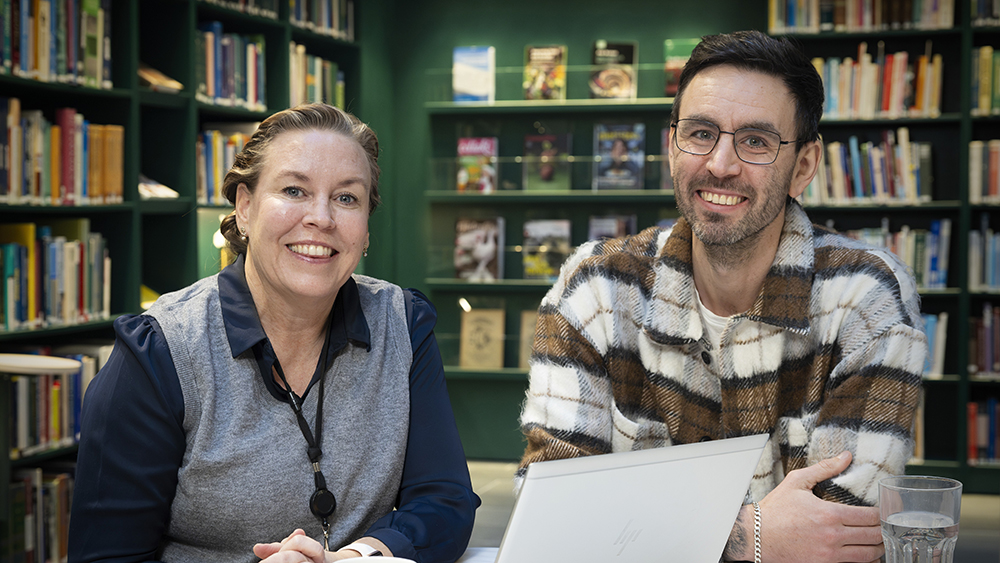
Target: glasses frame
[[733, 133]]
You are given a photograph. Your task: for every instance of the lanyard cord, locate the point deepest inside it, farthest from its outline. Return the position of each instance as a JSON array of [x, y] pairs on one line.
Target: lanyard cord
[[322, 503]]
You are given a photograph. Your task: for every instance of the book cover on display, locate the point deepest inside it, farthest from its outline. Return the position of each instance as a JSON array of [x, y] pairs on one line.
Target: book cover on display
[[479, 245], [546, 246], [529, 322], [676, 53], [610, 226], [545, 72], [666, 180], [620, 155], [614, 71], [481, 340], [477, 164], [473, 74], [546, 163]]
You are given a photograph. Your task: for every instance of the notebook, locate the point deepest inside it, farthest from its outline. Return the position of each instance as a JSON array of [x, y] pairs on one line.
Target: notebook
[[676, 503]]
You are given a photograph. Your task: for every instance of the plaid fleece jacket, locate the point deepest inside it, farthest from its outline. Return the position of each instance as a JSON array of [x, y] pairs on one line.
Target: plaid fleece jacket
[[828, 358]]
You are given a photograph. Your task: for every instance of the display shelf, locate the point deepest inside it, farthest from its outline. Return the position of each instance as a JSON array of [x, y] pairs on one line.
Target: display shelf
[[166, 206], [32, 334], [504, 285], [453, 373], [548, 107], [519, 197]]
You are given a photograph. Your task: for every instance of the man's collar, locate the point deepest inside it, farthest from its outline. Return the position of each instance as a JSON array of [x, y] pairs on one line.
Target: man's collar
[[243, 329], [783, 300]]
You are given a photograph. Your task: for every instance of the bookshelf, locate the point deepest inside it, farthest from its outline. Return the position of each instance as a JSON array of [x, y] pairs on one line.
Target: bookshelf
[[156, 242], [481, 396]]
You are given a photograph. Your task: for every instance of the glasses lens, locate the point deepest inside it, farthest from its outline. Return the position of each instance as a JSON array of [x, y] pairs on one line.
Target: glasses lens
[[696, 137], [756, 145]]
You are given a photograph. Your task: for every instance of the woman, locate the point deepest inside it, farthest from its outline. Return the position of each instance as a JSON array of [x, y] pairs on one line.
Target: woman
[[283, 393]]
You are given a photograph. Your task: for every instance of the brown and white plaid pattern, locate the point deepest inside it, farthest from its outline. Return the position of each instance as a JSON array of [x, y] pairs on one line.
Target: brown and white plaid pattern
[[829, 358]]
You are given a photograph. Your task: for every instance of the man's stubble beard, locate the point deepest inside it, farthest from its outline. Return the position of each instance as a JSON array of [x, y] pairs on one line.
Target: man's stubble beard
[[732, 243]]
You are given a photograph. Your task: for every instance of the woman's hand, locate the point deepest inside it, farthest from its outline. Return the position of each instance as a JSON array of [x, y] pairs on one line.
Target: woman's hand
[[297, 548]]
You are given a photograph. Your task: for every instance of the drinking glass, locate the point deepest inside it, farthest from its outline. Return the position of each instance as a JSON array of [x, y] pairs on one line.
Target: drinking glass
[[919, 518]]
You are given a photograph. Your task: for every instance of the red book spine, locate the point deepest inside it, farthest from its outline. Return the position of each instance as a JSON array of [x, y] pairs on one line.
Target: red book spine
[[65, 118]]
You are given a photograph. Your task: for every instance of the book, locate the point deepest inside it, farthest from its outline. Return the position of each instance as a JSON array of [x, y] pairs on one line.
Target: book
[[157, 81], [481, 339], [676, 53], [546, 164], [479, 249], [473, 74], [529, 321], [614, 73], [476, 164], [610, 226], [620, 155], [546, 246], [545, 72], [666, 180]]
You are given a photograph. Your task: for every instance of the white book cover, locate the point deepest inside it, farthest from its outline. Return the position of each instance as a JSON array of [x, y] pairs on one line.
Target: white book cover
[[473, 74]]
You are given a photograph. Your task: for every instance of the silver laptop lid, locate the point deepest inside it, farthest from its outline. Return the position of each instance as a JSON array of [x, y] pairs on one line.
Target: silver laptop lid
[[676, 503]]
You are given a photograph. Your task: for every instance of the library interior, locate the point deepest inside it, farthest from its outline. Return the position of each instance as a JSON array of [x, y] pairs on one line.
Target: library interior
[[509, 135]]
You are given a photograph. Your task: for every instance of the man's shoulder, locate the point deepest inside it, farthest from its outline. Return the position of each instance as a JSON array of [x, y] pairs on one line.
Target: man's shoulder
[[630, 252]]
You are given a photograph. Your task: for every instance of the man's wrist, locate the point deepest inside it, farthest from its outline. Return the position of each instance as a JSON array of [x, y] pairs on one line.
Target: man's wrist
[[740, 544]]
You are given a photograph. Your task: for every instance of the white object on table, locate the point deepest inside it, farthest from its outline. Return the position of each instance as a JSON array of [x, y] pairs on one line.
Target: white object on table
[[479, 555]]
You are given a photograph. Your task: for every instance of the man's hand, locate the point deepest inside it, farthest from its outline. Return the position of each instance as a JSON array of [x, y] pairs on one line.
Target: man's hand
[[798, 526]]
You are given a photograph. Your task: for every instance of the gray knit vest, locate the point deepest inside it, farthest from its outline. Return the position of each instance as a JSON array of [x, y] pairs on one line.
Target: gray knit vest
[[245, 477]]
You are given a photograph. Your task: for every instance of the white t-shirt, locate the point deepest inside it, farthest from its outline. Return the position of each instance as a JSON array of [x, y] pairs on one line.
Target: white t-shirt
[[714, 324]]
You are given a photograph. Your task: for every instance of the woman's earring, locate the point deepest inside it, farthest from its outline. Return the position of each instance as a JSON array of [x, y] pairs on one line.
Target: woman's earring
[[243, 234], [365, 251]]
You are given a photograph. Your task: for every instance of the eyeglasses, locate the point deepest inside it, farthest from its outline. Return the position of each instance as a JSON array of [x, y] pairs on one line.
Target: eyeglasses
[[753, 146]]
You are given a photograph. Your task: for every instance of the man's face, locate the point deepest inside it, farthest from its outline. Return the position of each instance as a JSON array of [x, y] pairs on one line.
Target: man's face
[[725, 199]]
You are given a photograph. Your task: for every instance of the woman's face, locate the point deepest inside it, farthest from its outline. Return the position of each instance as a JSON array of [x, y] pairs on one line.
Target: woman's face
[[307, 221]]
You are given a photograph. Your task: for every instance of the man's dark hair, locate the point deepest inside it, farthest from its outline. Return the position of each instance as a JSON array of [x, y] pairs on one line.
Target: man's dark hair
[[756, 51]]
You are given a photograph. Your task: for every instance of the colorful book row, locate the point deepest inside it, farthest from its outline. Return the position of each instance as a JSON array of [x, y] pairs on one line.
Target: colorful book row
[[926, 251], [619, 161], [983, 426], [984, 342], [37, 530], [327, 17], [881, 85], [67, 41], [985, 13], [814, 16], [612, 70], [262, 8], [215, 151], [68, 161], [313, 79], [894, 169], [984, 171], [54, 274], [984, 257], [985, 81], [230, 68]]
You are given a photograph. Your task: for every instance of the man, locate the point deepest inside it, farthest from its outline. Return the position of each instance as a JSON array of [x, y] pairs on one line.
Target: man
[[742, 319]]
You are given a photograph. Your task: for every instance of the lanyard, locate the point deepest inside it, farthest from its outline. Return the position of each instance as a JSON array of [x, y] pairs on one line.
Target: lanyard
[[322, 503]]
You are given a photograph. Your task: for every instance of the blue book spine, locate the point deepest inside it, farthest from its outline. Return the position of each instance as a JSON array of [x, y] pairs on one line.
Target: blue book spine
[[856, 166], [209, 168], [84, 195], [933, 243], [25, 38], [930, 329]]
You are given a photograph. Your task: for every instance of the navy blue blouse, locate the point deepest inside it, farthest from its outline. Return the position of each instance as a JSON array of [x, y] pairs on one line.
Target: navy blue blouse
[[132, 440]]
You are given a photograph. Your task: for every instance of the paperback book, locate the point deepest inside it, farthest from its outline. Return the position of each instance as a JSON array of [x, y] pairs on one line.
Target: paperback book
[[473, 74], [545, 72], [546, 246], [479, 245], [546, 163], [476, 164], [620, 155], [481, 340], [529, 321], [614, 72]]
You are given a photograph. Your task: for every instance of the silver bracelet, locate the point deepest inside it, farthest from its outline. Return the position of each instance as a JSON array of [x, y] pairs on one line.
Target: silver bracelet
[[756, 533]]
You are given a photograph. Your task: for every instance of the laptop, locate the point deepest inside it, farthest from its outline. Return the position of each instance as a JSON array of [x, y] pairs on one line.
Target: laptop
[[675, 503]]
